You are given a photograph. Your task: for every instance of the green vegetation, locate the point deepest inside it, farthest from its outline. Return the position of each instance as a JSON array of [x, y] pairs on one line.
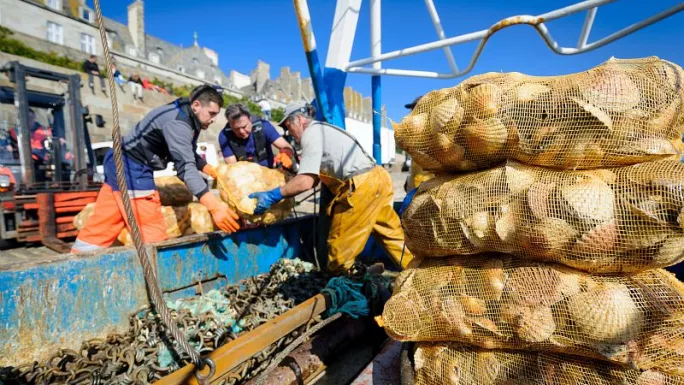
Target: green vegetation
[[16, 47]]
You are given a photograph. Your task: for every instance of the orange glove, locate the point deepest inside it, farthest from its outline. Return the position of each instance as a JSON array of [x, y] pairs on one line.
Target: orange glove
[[210, 170], [283, 159], [224, 217]]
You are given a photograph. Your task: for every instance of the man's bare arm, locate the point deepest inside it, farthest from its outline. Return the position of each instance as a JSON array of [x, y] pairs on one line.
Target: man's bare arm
[[299, 184]]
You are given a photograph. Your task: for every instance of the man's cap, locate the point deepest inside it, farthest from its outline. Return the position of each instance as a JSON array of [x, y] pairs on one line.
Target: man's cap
[[411, 105], [291, 109]]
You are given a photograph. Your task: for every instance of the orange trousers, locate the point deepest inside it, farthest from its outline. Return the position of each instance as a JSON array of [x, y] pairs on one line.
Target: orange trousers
[[109, 218]]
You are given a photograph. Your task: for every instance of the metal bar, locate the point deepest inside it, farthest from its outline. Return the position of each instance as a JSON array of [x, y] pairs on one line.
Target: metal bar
[[376, 82], [440, 33], [342, 33], [23, 131], [309, 41], [229, 356], [586, 28], [77, 131]]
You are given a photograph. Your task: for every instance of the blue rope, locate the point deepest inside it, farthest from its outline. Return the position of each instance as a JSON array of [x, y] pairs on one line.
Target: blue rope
[[346, 297]]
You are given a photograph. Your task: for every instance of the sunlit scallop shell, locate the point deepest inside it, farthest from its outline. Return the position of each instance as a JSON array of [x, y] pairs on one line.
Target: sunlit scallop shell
[[486, 324], [484, 100], [480, 224], [645, 148], [550, 154], [599, 114], [518, 177], [671, 252], [535, 324], [590, 199], [401, 315], [404, 279], [651, 377], [549, 237], [420, 358], [446, 117], [485, 137], [534, 285], [666, 118], [600, 240], [605, 175], [411, 124], [505, 226], [472, 305], [538, 198], [446, 151], [425, 161], [486, 368], [528, 92], [606, 315], [610, 89]]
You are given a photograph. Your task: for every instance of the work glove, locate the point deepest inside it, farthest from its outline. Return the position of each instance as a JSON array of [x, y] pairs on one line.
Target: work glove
[[210, 170], [282, 159], [223, 216], [407, 201], [266, 199]]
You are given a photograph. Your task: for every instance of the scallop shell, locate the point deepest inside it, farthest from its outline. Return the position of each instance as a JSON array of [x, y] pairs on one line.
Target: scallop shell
[[610, 89], [596, 112], [486, 368], [410, 125], [425, 161], [590, 199], [528, 92], [651, 377], [535, 324], [480, 224], [549, 155], [671, 252], [600, 240], [485, 137], [452, 314], [483, 100], [486, 324], [446, 151], [446, 117], [548, 237], [534, 285], [472, 305], [538, 198], [606, 315], [505, 226], [518, 177], [401, 315], [644, 149], [404, 279]]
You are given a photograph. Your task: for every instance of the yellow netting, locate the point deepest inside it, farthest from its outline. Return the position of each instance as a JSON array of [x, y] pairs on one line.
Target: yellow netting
[[237, 181], [453, 364], [621, 112], [81, 218], [623, 219], [173, 191], [494, 301], [417, 176], [200, 220]]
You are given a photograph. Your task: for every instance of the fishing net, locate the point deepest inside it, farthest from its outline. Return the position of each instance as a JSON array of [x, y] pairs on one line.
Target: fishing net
[[200, 220], [623, 219], [82, 217], [177, 223], [453, 364], [237, 181], [621, 112], [494, 301], [173, 191]]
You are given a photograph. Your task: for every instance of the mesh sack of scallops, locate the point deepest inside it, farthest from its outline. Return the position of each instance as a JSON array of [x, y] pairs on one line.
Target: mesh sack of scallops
[[623, 219], [237, 181], [619, 113], [173, 191], [494, 301], [201, 221], [454, 364]]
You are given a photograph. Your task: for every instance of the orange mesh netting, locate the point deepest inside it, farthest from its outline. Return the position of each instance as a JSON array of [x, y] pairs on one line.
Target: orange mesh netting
[[173, 191], [495, 301], [619, 113], [623, 219], [237, 181], [453, 364]]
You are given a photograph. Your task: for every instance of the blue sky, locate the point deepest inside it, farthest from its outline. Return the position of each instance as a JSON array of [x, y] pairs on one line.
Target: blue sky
[[244, 31]]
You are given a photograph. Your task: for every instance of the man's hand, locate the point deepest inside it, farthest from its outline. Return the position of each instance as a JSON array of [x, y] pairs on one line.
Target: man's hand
[[224, 217], [282, 159], [210, 170], [266, 199]]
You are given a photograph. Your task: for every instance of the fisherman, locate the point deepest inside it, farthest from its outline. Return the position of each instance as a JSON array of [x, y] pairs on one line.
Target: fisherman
[[247, 138], [363, 192], [166, 134]]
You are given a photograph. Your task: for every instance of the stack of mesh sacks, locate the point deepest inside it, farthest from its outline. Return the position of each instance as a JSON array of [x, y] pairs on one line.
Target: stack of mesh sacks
[[557, 203]]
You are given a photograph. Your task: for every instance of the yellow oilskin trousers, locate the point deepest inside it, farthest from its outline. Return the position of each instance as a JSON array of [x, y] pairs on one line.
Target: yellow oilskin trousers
[[363, 206]]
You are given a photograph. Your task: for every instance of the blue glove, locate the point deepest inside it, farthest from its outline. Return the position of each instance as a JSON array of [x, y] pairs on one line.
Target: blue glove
[[407, 201], [266, 199]]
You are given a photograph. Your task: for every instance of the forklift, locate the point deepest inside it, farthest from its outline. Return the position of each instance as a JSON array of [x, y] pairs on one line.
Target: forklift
[[46, 171]]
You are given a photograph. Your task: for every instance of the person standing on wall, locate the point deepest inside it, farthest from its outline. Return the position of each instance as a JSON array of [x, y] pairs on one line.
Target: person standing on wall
[[265, 108]]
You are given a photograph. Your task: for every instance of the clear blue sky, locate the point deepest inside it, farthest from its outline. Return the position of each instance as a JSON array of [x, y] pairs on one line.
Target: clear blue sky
[[244, 31]]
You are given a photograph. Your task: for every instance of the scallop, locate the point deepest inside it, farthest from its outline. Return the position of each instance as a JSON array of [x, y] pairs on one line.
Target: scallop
[[535, 324], [518, 177], [606, 315], [485, 137], [534, 285], [401, 316], [538, 199], [599, 240], [671, 252], [484, 100], [472, 305], [590, 200], [486, 368], [528, 92], [548, 237], [596, 112], [610, 89], [446, 117]]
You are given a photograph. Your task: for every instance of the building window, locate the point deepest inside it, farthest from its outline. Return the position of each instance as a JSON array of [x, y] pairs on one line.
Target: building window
[[200, 74], [132, 51], [55, 4], [154, 58], [88, 43], [55, 33], [85, 14]]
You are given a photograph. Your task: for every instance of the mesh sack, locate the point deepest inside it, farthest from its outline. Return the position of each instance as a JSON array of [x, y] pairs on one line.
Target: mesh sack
[[494, 301], [619, 113], [237, 181], [453, 364], [177, 222], [624, 219], [173, 191], [82, 217], [417, 176], [201, 221]]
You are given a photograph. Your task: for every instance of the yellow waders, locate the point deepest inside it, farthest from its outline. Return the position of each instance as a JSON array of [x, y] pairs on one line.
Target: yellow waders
[[363, 206]]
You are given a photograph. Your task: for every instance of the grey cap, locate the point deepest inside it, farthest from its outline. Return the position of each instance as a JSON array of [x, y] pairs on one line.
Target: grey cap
[[291, 109]]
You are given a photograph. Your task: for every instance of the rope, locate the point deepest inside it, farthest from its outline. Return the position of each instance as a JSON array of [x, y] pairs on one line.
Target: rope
[[150, 278]]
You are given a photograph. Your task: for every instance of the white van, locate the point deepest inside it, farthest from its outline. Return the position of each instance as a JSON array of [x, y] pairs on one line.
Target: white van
[[100, 150]]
